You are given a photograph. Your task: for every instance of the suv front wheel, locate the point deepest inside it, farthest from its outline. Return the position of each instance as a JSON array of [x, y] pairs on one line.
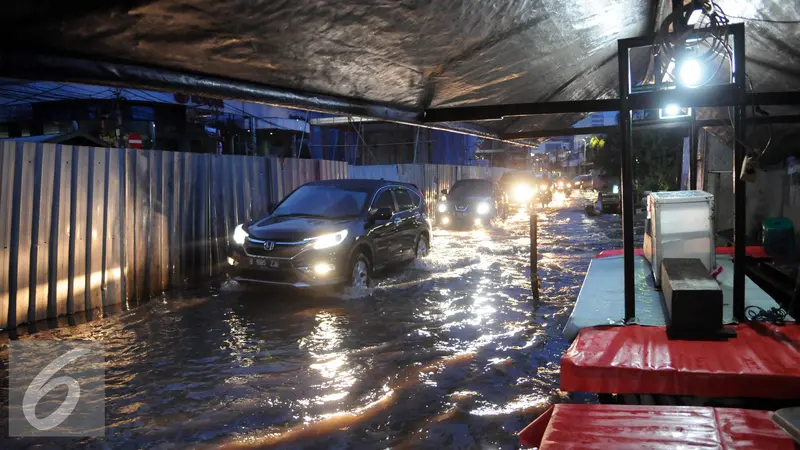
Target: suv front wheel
[[422, 247], [360, 271]]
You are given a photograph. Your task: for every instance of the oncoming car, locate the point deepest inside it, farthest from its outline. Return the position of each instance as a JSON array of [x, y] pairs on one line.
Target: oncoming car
[[472, 202], [519, 187], [335, 232], [583, 182]]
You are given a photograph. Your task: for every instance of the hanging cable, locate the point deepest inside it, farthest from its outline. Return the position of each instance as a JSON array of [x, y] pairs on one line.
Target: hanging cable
[[776, 315], [674, 46], [34, 95]]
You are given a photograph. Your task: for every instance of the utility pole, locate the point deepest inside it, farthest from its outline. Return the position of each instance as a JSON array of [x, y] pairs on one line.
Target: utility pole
[[118, 97], [253, 137]]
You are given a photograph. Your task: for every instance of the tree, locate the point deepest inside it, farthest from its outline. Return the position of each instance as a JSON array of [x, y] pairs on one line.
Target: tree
[[657, 157]]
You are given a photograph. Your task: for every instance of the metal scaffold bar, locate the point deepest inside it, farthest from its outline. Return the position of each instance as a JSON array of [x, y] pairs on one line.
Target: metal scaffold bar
[[626, 178], [739, 188]]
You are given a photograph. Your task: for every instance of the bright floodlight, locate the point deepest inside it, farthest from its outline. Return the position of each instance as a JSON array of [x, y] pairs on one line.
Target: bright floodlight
[[672, 110], [689, 73]]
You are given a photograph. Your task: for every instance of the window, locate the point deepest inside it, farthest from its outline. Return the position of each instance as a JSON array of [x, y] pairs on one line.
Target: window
[[471, 188], [322, 201], [415, 198], [385, 201], [404, 202]]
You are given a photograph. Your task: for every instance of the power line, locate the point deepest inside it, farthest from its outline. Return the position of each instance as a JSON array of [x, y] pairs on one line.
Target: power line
[[34, 95], [20, 97]]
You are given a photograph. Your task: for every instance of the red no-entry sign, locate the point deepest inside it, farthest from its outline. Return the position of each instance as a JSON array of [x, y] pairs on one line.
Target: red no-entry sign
[[135, 140]]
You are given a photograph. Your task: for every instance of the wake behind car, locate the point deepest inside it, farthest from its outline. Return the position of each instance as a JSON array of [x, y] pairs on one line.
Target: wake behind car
[[472, 202], [332, 232]]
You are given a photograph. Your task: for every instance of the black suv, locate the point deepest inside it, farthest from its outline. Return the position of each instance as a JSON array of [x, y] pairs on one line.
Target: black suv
[[472, 201], [333, 232]]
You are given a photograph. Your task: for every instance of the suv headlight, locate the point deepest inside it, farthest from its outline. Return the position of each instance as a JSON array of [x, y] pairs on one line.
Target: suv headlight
[[442, 207], [483, 208], [328, 240], [239, 234]]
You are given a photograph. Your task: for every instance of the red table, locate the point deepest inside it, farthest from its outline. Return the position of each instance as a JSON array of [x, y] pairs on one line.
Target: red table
[[616, 427], [763, 361]]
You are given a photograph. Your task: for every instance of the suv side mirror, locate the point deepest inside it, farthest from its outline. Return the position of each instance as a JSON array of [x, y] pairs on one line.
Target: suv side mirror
[[381, 214], [444, 191]]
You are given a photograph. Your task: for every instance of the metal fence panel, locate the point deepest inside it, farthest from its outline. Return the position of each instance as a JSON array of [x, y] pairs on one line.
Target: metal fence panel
[[114, 223], [378, 172], [59, 281], [333, 170], [94, 224], [7, 164], [43, 217]]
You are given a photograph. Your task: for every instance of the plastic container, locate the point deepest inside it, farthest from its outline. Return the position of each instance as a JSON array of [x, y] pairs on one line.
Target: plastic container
[[681, 226], [778, 239]]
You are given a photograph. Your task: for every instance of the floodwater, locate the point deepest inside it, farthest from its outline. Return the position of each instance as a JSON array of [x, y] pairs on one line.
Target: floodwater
[[449, 352]]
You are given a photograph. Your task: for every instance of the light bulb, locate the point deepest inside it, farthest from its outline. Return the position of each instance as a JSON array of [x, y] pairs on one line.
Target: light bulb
[[689, 72]]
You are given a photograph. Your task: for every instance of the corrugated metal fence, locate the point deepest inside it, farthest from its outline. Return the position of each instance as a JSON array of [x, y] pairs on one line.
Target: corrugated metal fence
[[84, 228]]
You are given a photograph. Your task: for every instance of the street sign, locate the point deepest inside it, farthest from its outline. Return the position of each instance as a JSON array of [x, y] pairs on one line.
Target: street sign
[[135, 140]]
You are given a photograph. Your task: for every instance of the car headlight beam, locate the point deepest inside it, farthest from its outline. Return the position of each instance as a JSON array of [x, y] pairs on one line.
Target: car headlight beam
[[442, 207], [239, 234], [522, 192], [483, 208], [328, 240]]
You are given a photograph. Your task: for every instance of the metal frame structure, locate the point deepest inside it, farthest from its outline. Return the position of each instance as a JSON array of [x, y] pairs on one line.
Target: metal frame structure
[[729, 95]]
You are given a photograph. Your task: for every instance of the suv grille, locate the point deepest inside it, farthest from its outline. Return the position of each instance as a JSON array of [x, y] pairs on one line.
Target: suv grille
[[279, 250]]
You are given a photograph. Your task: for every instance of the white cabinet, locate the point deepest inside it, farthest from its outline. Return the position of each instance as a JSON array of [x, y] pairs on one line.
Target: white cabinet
[[681, 225]]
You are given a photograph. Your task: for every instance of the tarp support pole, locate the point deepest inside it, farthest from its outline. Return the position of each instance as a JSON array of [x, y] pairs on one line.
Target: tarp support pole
[[534, 254], [739, 188], [626, 181], [693, 137]]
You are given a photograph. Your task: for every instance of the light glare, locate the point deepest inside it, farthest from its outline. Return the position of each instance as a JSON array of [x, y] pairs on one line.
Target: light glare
[[322, 269], [239, 234], [329, 240], [689, 73], [672, 110]]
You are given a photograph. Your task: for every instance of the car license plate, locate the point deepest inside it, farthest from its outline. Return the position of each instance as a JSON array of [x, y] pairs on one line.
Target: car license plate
[[459, 214], [261, 262]]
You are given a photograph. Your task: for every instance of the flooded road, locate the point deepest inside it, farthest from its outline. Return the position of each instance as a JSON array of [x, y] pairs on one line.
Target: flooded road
[[450, 352]]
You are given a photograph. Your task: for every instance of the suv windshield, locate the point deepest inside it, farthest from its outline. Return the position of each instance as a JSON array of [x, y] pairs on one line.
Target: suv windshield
[[471, 187], [322, 201]]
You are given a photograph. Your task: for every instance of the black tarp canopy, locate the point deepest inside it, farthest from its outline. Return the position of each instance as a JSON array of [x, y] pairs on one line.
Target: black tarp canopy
[[391, 60]]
